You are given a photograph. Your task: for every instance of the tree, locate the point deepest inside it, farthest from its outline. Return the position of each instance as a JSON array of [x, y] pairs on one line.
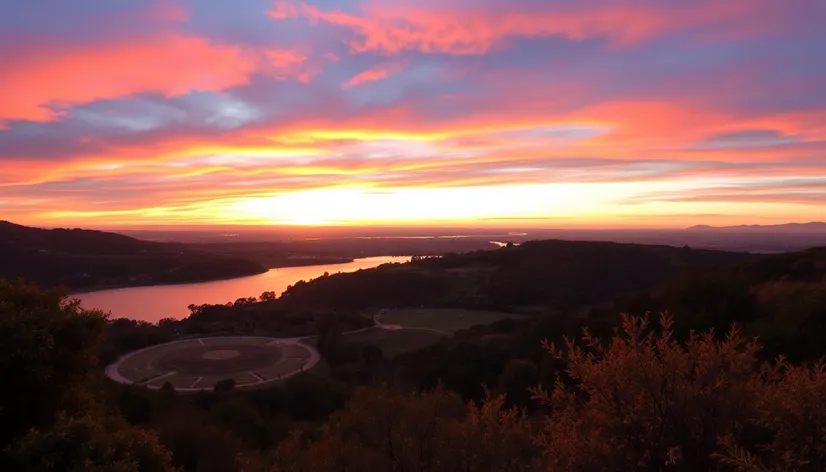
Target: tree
[[198, 445], [517, 379], [238, 415], [48, 353], [372, 354], [382, 429], [90, 444], [646, 402], [168, 390], [224, 385], [136, 404], [311, 398], [490, 437], [330, 341], [790, 413]]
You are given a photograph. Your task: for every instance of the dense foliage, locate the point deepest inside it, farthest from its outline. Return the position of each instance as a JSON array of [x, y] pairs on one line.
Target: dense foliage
[[640, 401], [51, 416], [535, 393], [779, 299], [535, 277]]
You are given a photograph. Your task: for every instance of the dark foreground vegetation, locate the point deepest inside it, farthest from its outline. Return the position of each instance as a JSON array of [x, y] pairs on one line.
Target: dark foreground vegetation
[[575, 387]]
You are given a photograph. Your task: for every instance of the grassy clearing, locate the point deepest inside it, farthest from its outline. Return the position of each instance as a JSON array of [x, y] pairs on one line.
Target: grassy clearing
[[447, 320], [393, 343]]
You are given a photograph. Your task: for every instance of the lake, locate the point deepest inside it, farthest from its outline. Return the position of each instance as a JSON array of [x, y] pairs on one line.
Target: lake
[[170, 301]]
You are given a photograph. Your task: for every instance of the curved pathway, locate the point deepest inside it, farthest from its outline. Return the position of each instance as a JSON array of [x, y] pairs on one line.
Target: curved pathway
[[394, 327], [112, 371]]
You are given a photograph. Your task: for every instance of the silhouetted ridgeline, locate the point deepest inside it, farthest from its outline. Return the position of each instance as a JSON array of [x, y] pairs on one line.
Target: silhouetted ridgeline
[[534, 275], [83, 258]]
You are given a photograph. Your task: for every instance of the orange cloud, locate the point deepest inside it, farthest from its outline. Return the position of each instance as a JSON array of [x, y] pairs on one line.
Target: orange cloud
[[379, 72], [669, 128], [170, 64]]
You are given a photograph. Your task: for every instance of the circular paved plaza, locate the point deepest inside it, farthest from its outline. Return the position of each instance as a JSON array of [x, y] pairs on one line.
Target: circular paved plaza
[[198, 364]]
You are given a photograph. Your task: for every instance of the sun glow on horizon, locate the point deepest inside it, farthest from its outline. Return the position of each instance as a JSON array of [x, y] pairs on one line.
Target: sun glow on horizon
[[574, 205]]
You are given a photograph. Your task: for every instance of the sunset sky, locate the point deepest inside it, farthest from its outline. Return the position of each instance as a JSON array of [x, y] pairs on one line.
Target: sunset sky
[[542, 113]]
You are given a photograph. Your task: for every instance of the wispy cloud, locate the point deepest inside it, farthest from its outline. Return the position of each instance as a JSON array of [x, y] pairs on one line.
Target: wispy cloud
[[476, 28], [375, 73]]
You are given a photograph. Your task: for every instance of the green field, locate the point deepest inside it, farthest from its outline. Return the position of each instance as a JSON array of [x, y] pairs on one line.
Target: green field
[[393, 343], [446, 320]]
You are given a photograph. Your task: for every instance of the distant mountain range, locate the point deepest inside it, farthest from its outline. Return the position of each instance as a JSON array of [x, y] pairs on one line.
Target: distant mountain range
[[812, 227]]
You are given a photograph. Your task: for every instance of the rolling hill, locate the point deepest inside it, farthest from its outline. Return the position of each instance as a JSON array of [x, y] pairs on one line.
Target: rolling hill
[[82, 259]]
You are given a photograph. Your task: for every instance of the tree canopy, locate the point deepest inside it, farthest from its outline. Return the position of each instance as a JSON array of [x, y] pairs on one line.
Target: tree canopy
[[52, 417]]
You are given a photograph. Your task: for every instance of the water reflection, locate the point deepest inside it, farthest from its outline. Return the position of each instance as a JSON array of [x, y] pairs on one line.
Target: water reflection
[[170, 301]]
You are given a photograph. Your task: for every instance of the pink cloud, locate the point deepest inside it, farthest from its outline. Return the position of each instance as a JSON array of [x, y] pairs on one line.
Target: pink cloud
[[379, 72], [287, 64], [392, 28], [51, 77], [149, 53], [170, 64]]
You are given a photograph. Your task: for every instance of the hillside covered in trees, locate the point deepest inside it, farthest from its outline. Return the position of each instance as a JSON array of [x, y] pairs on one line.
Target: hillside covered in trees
[[645, 398], [83, 259], [78, 259], [576, 386], [534, 277], [778, 299]]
